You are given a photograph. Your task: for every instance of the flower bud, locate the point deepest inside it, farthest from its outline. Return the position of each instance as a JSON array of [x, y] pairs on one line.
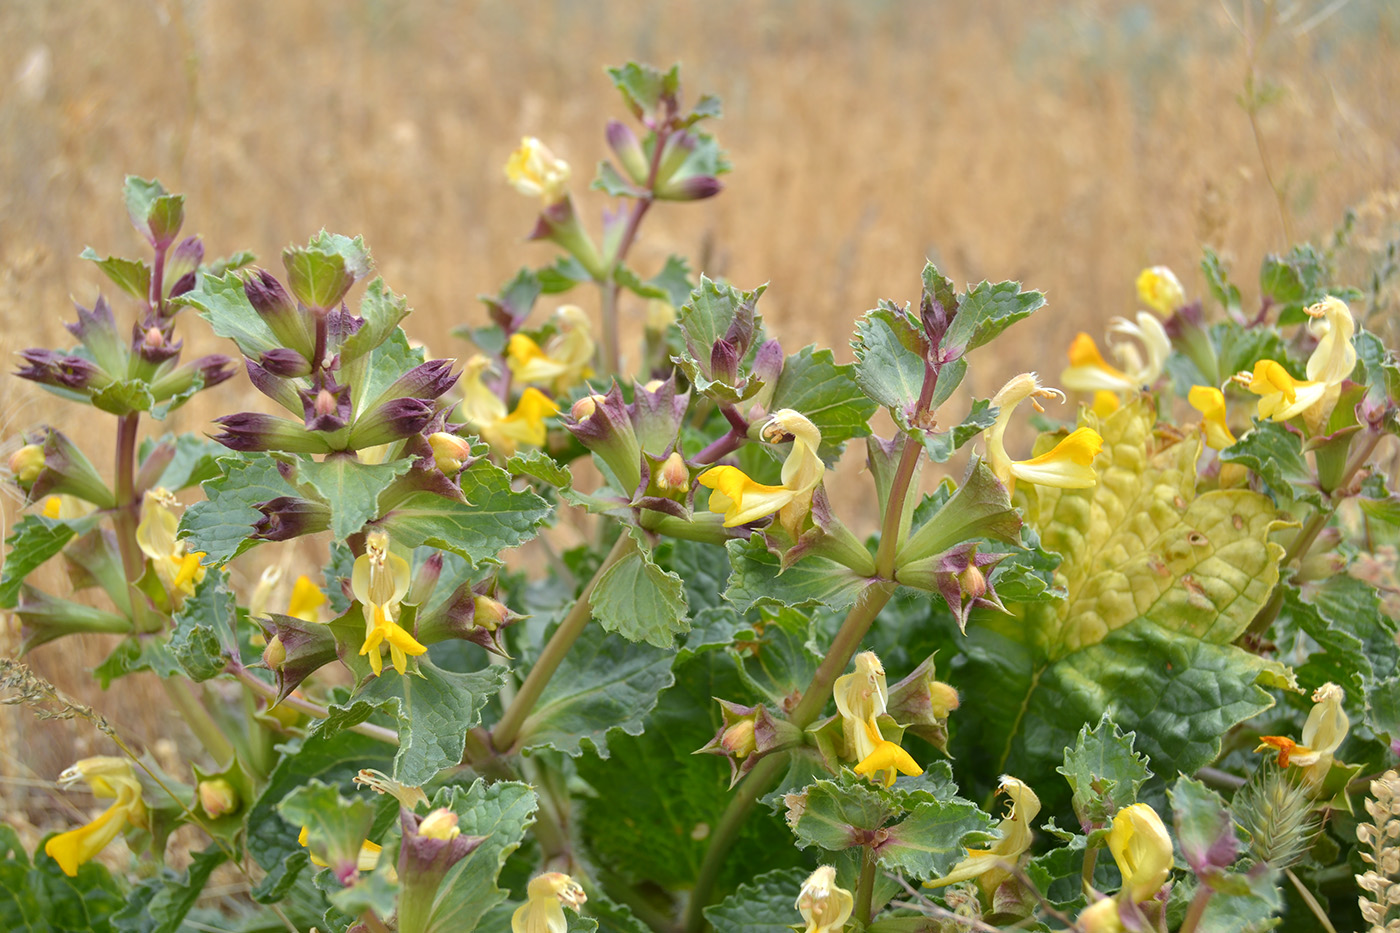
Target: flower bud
[[253, 431], [288, 517], [154, 338], [607, 430], [424, 581], [1100, 917], [738, 739], [210, 370], [325, 403], [26, 464], [489, 613], [217, 797], [921, 704], [824, 906], [1159, 289], [288, 364], [441, 824], [674, 475], [449, 451], [694, 188], [299, 648], [68, 472], [1142, 849], [275, 654], [629, 152], [274, 304], [584, 408], [943, 698], [50, 368], [391, 421], [972, 582]]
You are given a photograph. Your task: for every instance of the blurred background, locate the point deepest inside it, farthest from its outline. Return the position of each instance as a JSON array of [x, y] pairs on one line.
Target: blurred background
[[1066, 145]]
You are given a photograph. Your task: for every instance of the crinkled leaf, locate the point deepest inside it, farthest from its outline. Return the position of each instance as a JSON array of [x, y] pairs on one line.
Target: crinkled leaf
[[890, 349], [1378, 370], [221, 525], [757, 579], [1351, 605], [609, 181], [764, 905], [941, 446], [1159, 582], [644, 87], [674, 280], [987, 310], [124, 397], [779, 663], [839, 814], [501, 812], [1293, 282], [542, 467], [1104, 772], [433, 710], [934, 837], [382, 311], [493, 518], [1324, 652], [640, 601], [1275, 453], [203, 638], [604, 683], [33, 541], [351, 488], [1205, 830], [137, 653], [159, 904], [40, 898], [813, 384], [710, 312], [221, 301]]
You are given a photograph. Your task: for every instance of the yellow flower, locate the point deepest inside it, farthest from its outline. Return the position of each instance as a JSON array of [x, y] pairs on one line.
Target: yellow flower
[[546, 897], [824, 906], [177, 568], [1141, 358], [1100, 917], [380, 581], [1105, 403], [566, 358], [1142, 849], [986, 865], [1160, 290], [1069, 465], [1323, 732], [108, 777], [1281, 397], [861, 698], [65, 507], [1210, 403], [27, 463], [487, 415], [307, 600], [886, 759], [367, 860], [741, 500], [537, 172]]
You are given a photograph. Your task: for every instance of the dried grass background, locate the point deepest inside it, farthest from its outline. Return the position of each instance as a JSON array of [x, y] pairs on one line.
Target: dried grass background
[[1065, 145]]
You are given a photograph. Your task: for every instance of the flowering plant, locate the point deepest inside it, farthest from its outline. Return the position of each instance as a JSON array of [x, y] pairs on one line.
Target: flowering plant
[[1167, 618]]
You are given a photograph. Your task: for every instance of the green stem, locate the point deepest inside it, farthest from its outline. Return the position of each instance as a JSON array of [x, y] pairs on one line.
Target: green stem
[[199, 720], [372, 923], [1086, 875], [505, 733], [1197, 909], [865, 891], [124, 515], [313, 710], [843, 648], [894, 510]]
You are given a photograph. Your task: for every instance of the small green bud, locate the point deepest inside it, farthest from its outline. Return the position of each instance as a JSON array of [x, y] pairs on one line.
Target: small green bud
[[218, 798]]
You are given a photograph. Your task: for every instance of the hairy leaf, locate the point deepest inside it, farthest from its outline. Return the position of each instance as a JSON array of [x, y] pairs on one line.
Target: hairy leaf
[[351, 488], [222, 524]]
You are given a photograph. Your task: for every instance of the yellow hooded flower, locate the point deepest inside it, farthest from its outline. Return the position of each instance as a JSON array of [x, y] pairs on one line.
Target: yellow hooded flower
[[108, 777], [886, 759], [741, 500], [823, 905], [1281, 397], [535, 171], [487, 415], [986, 865], [1068, 465], [1210, 402], [1142, 849], [861, 697], [1141, 359], [1160, 289], [546, 897], [1100, 917], [368, 859], [566, 358], [380, 581], [177, 568], [1323, 732]]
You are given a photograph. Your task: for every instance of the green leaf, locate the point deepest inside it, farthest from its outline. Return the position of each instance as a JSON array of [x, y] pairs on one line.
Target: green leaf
[[1205, 831], [644, 87], [137, 653], [32, 542], [336, 758], [204, 639], [1159, 582], [371, 374], [336, 828], [124, 397], [890, 350], [779, 664], [1383, 708], [1104, 773], [1275, 453], [942, 446], [987, 310], [757, 579], [838, 814], [1350, 605], [639, 601], [159, 904], [40, 898], [1332, 653], [812, 383], [542, 467], [434, 710], [1293, 282], [130, 275], [195, 460], [221, 525], [560, 277], [351, 488], [604, 683], [493, 518], [1218, 281], [382, 311], [608, 180], [711, 312], [764, 905], [500, 812], [674, 280], [1379, 371], [358, 261], [934, 837], [222, 302], [631, 281]]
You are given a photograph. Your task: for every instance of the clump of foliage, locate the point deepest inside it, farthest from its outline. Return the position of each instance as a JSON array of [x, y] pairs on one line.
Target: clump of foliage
[[1167, 630]]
